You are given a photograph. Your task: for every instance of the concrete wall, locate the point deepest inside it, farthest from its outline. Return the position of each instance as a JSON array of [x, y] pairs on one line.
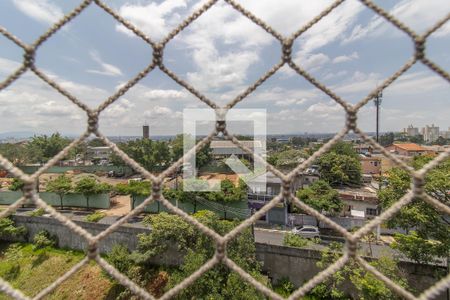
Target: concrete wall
[[125, 235], [299, 265], [70, 200]]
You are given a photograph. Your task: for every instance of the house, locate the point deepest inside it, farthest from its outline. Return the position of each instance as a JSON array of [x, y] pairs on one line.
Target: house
[[406, 149], [363, 148], [359, 202], [370, 164], [264, 188], [223, 149]]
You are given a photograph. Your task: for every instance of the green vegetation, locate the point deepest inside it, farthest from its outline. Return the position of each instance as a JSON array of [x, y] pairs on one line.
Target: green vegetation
[[294, 240], [428, 229], [37, 212], [172, 233], [287, 159], [366, 284], [16, 185], [340, 165], [8, 229], [32, 270], [89, 186], [322, 197], [44, 239], [61, 185], [95, 217]]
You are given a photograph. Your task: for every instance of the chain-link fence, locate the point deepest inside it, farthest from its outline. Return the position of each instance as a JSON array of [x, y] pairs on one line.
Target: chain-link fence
[[220, 257]]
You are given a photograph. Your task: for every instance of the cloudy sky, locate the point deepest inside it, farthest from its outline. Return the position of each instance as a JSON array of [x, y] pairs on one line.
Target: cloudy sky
[[220, 54]]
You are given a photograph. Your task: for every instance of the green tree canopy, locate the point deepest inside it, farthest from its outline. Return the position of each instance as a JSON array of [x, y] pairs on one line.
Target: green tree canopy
[[339, 169], [428, 224], [170, 231], [61, 185], [322, 197], [89, 186], [43, 147]]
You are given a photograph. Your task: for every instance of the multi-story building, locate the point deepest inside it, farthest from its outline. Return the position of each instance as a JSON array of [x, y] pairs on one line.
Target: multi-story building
[[430, 133], [411, 130], [370, 164]]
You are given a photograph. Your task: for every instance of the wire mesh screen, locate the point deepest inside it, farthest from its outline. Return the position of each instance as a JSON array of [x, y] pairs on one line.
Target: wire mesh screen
[[220, 257]]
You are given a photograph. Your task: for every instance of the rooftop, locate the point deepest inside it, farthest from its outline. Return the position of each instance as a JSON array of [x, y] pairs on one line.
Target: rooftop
[[230, 144], [410, 147]]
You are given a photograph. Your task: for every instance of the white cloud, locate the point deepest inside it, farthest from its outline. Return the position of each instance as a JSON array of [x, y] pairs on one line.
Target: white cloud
[[359, 82], [417, 14], [345, 58], [153, 19], [311, 62], [289, 102], [164, 94], [105, 69], [43, 11]]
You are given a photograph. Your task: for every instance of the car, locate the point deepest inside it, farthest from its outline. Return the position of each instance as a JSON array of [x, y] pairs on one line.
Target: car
[[307, 231]]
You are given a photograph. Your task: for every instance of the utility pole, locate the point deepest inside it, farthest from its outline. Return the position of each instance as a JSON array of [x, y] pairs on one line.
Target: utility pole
[[377, 101]]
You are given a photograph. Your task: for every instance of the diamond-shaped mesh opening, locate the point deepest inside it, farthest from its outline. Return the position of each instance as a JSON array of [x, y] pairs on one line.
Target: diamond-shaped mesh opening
[[350, 251]]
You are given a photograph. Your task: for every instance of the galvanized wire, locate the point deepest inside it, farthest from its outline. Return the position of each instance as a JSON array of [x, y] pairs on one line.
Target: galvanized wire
[[286, 43]]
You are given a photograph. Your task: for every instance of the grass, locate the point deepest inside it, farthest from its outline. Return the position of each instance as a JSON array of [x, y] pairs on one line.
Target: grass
[[32, 270], [95, 217]]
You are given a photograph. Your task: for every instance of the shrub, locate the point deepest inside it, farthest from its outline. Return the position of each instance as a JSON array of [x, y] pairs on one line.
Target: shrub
[[284, 287], [8, 229], [95, 217], [12, 271], [43, 239], [119, 257], [293, 240], [37, 212]]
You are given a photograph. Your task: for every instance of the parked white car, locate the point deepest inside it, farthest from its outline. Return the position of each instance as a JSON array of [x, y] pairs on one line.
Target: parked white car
[[309, 232]]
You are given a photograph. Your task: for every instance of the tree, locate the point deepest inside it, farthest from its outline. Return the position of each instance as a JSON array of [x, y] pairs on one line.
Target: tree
[[61, 185], [228, 193], [203, 156], [16, 184], [428, 230], [42, 148], [134, 188], [322, 197], [366, 284], [170, 231], [88, 186], [339, 169], [152, 155], [387, 139]]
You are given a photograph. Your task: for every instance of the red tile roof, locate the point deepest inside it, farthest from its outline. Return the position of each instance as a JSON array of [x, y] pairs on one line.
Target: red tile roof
[[410, 147]]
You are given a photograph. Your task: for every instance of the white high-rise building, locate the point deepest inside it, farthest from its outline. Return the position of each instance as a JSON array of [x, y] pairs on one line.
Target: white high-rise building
[[430, 133], [411, 131]]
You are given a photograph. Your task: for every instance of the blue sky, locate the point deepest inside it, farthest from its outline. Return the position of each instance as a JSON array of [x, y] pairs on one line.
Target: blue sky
[[351, 51]]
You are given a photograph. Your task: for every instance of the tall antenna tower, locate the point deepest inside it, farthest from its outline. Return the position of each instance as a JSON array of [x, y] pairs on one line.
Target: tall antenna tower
[[377, 101]]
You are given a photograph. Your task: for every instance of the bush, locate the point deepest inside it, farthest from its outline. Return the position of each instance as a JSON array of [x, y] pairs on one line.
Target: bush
[[284, 287], [293, 240], [37, 212], [120, 258], [95, 217], [43, 239], [8, 229], [12, 271]]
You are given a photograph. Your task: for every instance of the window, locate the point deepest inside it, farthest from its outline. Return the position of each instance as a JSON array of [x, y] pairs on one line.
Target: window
[[371, 211]]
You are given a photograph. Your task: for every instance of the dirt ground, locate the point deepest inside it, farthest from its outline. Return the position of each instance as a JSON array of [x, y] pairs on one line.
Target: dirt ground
[[120, 206]]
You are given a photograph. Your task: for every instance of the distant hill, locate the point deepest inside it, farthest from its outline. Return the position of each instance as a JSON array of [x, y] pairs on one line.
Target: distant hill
[[17, 134]]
